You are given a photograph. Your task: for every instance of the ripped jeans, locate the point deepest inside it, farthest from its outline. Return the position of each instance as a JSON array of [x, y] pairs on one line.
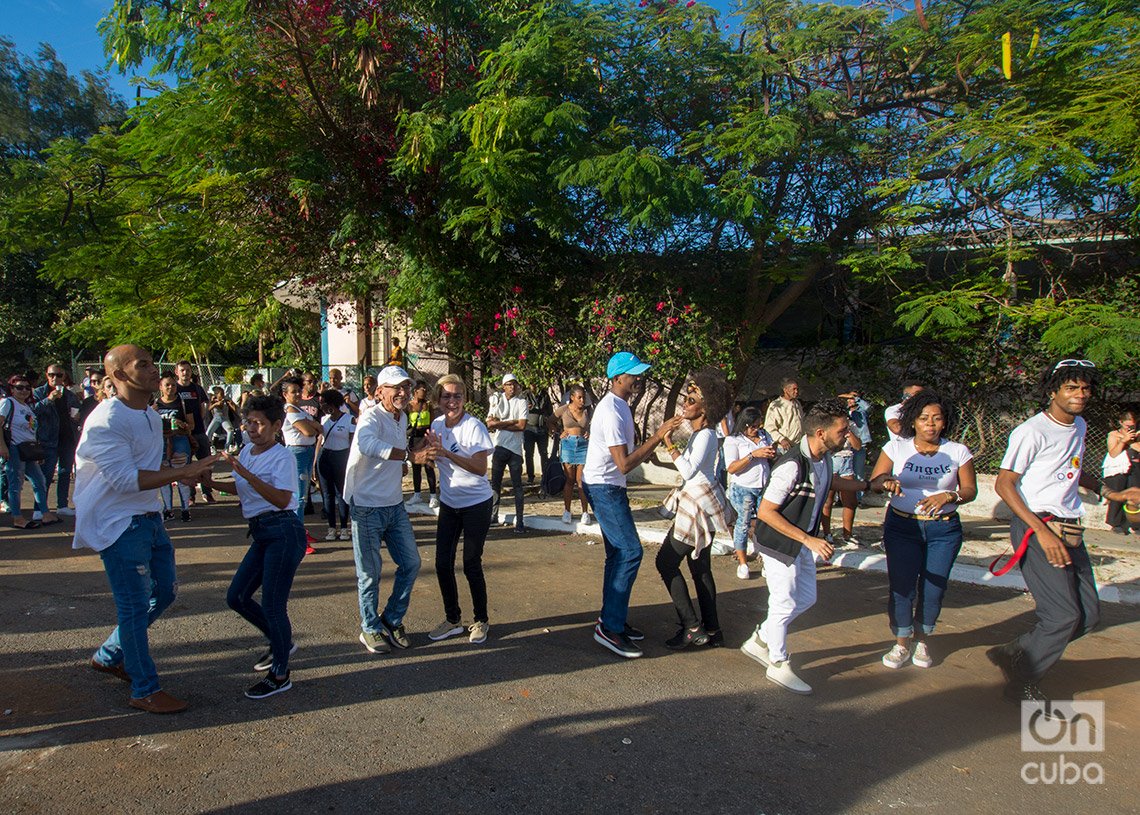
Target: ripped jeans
[[140, 569]]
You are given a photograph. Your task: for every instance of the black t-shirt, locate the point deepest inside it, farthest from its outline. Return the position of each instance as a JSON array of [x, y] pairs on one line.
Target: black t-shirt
[[169, 411], [310, 406], [193, 397]]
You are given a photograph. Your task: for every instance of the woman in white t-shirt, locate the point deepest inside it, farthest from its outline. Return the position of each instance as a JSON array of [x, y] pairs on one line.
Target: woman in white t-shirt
[[265, 478], [701, 510], [928, 478], [460, 447], [332, 461], [300, 432], [747, 456], [18, 425], [1121, 469]]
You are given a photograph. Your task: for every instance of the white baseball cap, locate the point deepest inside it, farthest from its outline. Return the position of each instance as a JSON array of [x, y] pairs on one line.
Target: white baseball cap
[[392, 375], [509, 378]]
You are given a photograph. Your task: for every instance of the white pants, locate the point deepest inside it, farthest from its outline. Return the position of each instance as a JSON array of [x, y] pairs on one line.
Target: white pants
[[791, 592]]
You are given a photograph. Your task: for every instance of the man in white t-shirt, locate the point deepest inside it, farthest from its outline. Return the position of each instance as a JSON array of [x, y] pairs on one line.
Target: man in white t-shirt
[[609, 457], [506, 419], [373, 488], [1039, 477], [891, 415], [118, 470], [787, 535]]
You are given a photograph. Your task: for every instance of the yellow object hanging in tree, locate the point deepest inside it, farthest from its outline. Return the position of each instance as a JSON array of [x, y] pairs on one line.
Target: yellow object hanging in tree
[[1006, 55], [1033, 42]]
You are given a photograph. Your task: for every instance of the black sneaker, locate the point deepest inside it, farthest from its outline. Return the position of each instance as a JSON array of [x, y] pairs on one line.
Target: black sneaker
[[168, 515], [635, 634], [620, 644], [185, 515], [519, 529], [684, 638], [269, 686], [395, 634], [716, 638], [1023, 691], [266, 660]]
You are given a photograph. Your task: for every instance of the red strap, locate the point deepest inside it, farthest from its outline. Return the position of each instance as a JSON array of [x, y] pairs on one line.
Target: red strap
[[1019, 554]]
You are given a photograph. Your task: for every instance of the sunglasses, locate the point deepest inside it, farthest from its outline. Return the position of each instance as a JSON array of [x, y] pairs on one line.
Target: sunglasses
[[1074, 363], [21, 387], [54, 373]]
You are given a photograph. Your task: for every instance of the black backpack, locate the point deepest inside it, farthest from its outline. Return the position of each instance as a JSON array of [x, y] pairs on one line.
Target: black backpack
[[553, 477]]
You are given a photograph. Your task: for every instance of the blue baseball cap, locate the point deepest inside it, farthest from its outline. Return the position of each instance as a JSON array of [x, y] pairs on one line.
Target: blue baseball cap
[[623, 362]]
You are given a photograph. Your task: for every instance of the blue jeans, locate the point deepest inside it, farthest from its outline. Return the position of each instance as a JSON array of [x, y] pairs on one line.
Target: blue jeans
[[140, 569], [271, 562], [178, 444], [304, 456], [623, 551], [920, 555], [59, 461], [16, 470], [371, 527], [744, 500]]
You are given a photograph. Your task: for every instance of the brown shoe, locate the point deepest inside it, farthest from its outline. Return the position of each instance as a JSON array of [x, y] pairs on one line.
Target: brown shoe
[[159, 702], [117, 671]]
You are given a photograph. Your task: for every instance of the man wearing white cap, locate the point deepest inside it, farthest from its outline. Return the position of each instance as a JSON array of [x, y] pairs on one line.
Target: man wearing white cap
[[506, 418], [609, 457], [373, 489]]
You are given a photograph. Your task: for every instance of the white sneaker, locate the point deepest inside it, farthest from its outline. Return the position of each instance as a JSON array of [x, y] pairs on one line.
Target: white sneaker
[[897, 656], [478, 632], [444, 630], [742, 571], [567, 518], [434, 502], [344, 535], [4, 508], [922, 657], [587, 519], [331, 535], [66, 512], [755, 648], [782, 674]]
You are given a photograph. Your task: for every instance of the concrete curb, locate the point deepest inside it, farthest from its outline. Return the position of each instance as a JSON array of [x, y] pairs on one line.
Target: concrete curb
[[861, 559]]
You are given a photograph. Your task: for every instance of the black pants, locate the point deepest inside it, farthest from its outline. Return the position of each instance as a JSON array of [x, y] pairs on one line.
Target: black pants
[[202, 452], [473, 522], [331, 467], [1067, 603], [669, 559], [417, 477], [502, 457], [532, 439]]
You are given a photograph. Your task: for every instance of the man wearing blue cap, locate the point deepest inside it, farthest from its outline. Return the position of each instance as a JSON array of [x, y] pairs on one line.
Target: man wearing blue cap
[[609, 457]]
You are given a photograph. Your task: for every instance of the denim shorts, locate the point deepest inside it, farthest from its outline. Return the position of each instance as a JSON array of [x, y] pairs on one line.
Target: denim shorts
[[843, 466], [574, 450]]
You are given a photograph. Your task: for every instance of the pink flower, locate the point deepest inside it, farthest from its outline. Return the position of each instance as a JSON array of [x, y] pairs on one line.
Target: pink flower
[[690, 4], [656, 335], [517, 289], [661, 306], [498, 315], [550, 332], [444, 328], [496, 326], [672, 321], [514, 332], [522, 355], [653, 351], [619, 299]]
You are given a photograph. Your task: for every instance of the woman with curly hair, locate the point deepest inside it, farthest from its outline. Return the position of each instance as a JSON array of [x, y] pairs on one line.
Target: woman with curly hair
[[700, 511], [928, 477]]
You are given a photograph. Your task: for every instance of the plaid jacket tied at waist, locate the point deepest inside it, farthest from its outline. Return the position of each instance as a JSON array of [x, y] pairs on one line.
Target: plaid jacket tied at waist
[[700, 511]]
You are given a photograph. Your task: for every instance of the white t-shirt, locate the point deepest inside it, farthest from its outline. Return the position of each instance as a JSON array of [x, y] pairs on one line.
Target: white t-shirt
[[367, 403], [755, 475], [611, 425], [1119, 464], [893, 412], [921, 476], [117, 441], [337, 432], [1048, 455], [459, 488], [293, 436], [508, 410], [21, 419], [783, 480], [277, 467], [699, 456], [372, 479]]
